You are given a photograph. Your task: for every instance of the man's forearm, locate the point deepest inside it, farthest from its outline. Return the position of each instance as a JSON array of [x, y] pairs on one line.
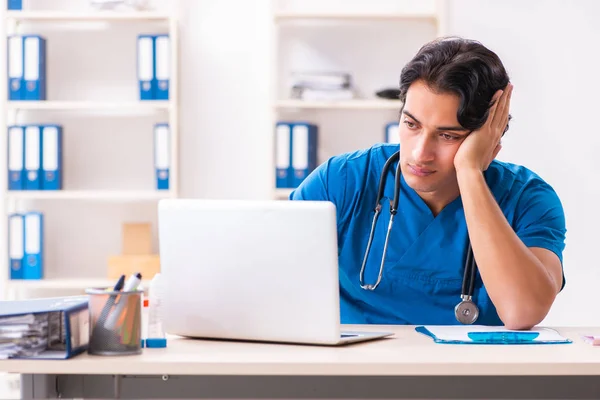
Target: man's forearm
[[516, 280]]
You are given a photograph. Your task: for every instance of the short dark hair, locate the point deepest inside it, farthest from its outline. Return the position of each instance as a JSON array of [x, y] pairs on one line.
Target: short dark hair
[[460, 66]]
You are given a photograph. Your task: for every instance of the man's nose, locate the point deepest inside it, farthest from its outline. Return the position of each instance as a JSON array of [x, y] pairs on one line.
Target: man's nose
[[424, 150]]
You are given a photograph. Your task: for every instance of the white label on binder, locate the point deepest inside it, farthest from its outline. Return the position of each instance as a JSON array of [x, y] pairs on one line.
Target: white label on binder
[[50, 143], [162, 57], [161, 148], [32, 233], [15, 58], [32, 59], [393, 134], [145, 59], [16, 236], [300, 147], [283, 146], [15, 152], [32, 147]]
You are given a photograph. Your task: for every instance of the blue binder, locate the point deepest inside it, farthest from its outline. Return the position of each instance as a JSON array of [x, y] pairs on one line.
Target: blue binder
[[146, 67], [304, 151], [51, 157], [283, 155], [162, 155], [16, 244], [33, 157], [14, 49], [15, 5], [16, 157], [162, 52], [67, 317], [392, 134], [34, 61], [33, 267]]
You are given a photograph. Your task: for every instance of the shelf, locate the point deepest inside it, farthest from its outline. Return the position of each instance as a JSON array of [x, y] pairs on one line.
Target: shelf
[[93, 195], [359, 104], [354, 16], [102, 16], [90, 105], [59, 283]]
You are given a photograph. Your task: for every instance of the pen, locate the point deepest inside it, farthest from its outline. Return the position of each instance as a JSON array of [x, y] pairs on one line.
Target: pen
[[132, 283], [111, 300]]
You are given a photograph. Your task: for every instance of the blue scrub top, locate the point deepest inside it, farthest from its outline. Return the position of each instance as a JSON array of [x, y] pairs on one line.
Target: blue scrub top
[[423, 270]]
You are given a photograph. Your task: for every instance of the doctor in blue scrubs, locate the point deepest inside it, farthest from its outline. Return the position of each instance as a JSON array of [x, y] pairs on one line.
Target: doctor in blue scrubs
[[454, 197]]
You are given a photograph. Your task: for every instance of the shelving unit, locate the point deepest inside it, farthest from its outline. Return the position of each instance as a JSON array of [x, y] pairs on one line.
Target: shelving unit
[[12, 112], [305, 20]]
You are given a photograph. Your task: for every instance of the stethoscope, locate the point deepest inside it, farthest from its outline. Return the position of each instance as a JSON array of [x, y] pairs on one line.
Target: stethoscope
[[466, 311]]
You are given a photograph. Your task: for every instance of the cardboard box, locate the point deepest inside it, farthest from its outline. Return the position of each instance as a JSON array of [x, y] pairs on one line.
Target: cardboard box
[[147, 265], [137, 239]]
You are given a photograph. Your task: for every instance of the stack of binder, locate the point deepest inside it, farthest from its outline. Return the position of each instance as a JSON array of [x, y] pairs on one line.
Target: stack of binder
[[162, 155], [392, 133], [153, 66], [35, 157], [26, 56], [47, 328], [296, 152], [26, 245]]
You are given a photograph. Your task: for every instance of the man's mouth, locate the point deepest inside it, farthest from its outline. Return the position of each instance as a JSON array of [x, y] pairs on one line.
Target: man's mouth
[[420, 171]]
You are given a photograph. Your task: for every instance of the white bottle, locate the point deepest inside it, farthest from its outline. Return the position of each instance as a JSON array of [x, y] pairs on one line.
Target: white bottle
[[155, 332]]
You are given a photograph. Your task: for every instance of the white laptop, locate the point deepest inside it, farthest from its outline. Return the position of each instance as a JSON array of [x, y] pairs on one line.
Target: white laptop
[[252, 270]]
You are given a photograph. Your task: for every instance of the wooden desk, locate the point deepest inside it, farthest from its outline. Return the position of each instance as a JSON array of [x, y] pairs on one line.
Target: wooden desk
[[408, 365]]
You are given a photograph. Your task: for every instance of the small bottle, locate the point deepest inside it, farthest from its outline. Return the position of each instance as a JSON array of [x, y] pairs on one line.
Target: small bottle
[[155, 333]]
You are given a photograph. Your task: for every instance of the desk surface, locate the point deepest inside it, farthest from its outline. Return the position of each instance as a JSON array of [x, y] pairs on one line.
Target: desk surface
[[408, 353]]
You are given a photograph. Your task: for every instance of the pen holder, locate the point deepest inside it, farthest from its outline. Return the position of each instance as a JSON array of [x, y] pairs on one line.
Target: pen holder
[[115, 322]]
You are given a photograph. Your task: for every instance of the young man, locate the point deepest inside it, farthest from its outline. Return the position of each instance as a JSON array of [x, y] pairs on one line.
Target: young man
[[453, 197]]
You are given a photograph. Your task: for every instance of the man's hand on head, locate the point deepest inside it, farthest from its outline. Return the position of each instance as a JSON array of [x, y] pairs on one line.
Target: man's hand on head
[[480, 148]]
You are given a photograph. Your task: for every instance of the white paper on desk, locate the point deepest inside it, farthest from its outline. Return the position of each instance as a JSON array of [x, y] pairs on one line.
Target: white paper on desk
[[460, 333]]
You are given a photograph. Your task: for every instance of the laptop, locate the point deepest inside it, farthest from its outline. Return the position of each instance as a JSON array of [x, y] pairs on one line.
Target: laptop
[[252, 270]]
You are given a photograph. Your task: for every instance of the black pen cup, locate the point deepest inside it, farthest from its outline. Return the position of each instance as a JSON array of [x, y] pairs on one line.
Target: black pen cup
[[115, 324]]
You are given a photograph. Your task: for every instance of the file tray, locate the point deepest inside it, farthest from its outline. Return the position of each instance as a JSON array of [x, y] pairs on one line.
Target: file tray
[[46, 328], [481, 334]]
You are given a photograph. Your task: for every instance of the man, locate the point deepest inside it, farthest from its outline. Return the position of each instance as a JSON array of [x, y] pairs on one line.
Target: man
[[453, 194]]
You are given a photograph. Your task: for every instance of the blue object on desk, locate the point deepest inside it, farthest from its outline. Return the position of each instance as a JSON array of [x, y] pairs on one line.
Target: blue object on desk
[[478, 334]]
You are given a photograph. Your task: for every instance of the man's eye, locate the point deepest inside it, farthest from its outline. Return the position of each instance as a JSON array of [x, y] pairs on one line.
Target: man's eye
[[410, 125], [448, 137]]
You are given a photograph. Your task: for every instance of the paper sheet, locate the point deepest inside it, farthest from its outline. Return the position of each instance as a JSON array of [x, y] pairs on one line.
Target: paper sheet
[[461, 332]]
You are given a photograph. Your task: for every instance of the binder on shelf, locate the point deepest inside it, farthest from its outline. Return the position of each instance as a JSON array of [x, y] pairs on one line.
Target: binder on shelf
[[34, 61], [51, 157], [146, 66], [392, 134], [45, 328], [304, 151], [162, 155], [16, 244], [33, 157], [15, 5], [283, 155], [14, 49], [16, 156], [33, 265], [162, 46]]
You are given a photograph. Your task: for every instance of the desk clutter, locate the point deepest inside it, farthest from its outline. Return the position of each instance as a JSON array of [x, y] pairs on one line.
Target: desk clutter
[[106, 321], [27, 67], [35, 156]]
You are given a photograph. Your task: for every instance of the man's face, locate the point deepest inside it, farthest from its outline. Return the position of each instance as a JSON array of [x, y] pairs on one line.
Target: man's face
[[430, 136]]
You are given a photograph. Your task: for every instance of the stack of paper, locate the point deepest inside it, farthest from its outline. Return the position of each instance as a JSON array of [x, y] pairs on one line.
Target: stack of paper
[[316, 86], [25, 335]]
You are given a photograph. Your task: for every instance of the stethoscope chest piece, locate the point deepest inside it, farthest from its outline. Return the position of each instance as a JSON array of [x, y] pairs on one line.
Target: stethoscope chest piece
[[466, 311]]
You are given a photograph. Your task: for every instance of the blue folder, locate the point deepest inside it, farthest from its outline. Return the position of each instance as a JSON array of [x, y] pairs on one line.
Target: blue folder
[[478, 334]]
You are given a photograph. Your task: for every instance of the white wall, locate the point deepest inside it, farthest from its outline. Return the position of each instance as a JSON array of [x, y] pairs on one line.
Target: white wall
[[550, 51], [549, 48]]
